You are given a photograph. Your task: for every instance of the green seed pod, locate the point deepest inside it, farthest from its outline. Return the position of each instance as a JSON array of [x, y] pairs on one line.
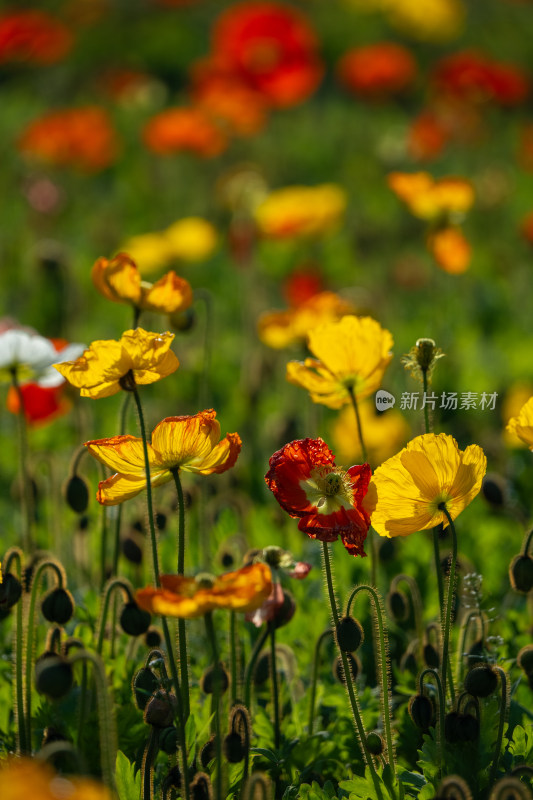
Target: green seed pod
[[208, 752], [422, 711], [431, 656], [375, 744], [354, 666], [77, 494], [58, 606], [168, 740], [144, 684], [161, 709], [521, 573], [233, 748], [10, 591], [524, 659], [349, 634], [134, 620], [53, 675], [481, 681]]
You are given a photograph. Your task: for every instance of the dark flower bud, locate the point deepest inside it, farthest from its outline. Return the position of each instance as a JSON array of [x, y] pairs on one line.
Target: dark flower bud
[[408, 661], [10, 591], [285, 612], [134, 620], [53, 675], [77, 493], [212, 674], [183, 320], [524, 659], [481, 681], [132, 548], [521, 573], [494, 490], [349, 634], [58, 606], [468, 727], [510, 788], [153, 637], [431, 656], [201, 788], [453, 788], [51, 734], [233, 748], [227, 559], [262, 669], [172, 780], [160, 709], [422, 711], [353, 663], [375, 744], [477, 651], [168, 740], [397, 606], [160, 521], [452, 727], [208, 752], [83, 523], [144, 684]]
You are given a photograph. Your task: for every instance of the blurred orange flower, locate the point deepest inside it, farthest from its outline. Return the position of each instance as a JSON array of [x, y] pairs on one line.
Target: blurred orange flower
[[28, 777], [33, 36], [109, 366], [300, 211], [270, 47], [244, 590], [476, 78], [119, 280], [427, 137], [450, 249], [428, 198], [184, 129], [190, 444], [279, 329], [377, 70], [241, 110], [79, 137]]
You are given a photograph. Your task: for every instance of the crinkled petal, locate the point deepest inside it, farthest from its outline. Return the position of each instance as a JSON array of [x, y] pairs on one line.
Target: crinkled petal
[[118, 279], [290, 467]]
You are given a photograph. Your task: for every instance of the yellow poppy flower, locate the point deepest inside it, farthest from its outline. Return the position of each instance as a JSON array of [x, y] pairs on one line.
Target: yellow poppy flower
[[150, 251], [384, 434], [428, 198], [515, 397], [191, 238], [190, 444], [279, 329], [27, 777], [352, 355], [522, 425], [104, 369], [405, 492], [244, 589], [119, 280], [300, 211]]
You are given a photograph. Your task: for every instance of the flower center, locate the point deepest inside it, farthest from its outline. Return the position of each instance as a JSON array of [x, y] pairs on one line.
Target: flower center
[[127, 382], [332, 484], [328, 489]]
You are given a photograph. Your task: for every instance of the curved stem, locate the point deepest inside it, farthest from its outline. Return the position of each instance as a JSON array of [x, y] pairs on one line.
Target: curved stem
[[103, 538], [182, 636], [383, 661], [527, 542], [463, 634], [447, 613], [258, 646], [501, 724], [118, 518], [274, 680], [109, 589], [26, 498], [314, 678], [441, 709], [416, 601], [355, 407], [23, 744], [211, 635]]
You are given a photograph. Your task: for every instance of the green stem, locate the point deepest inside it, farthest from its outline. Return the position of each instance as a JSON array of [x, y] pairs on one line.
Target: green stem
[[153, 535], [527, 542], [355, 406], [463, 633], [118, 518], [211, 635], [438, 567], [148, 763], [207, 298], [383, 661], [447, 615], [109, 589], [502, 719], [314, 678], [274, 680], [182, 635], [426, 412], [26, 498], [233, 648], [416, 601], [258, 646], [441, 709], [23, 744], [103, 539]]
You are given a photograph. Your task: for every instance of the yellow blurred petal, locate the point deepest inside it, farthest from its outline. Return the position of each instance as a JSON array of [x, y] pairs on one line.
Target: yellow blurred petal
[[168, 295], [522, 425], [191, 239], [150, 251], [118, 279], [323, 387]]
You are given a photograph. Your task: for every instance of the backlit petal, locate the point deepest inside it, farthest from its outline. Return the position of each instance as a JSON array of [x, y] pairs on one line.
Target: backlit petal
[[118, 279], [168, 295], [123, 454]]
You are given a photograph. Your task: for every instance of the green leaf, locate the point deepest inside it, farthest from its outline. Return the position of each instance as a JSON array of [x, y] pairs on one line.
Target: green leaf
[[266, 753], [128, 783]]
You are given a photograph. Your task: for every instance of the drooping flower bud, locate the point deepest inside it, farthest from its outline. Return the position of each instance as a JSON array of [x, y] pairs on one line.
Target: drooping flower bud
[[233, 748], [153, 637], [431, 656], [481, 681], [521, 573], [161, 709], [10, 591], [76, 493], [354, 665], [144, 684], [349, 634], [168, 740], [58, 606], [201, 788], [208, 752], [422, 711], [524, 659], [212, 674], [397, 605], [453, 787], [375, 744], [452, 727], [134, 620], [53, 675]]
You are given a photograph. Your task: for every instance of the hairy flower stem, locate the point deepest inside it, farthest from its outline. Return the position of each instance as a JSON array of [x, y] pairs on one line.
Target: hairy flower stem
[[30, 625], [416, 602], [527, 542], [447, 611], [314, 677], [504, 709], [441, 709], [359, 727], [118, 519], [258, 646], [274, 682], [111, 586], [477, 615], [149, 757], [383, 662], [211, 635], [15, 554], [182, 636], [26, 496], [153, 535], [233, 654]]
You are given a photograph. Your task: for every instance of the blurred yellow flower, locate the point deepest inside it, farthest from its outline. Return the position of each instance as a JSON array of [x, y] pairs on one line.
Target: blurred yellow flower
[[190, 444], [109, 365], [405, 492], [22, 778], [279, 329], [431, 20], [515, 397], [351, 356], [522, 425], [430, 199], [150, 251], [384, 434], [119, 280], [244, 589], [300, 211], [191, 239]]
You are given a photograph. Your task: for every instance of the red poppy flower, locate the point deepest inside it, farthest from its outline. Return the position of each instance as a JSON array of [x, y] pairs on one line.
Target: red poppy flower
[[379, 69], [301, 285], [41, 403], [184, 129], [476, 78], [33, 36], [272, 48], [328, 500]]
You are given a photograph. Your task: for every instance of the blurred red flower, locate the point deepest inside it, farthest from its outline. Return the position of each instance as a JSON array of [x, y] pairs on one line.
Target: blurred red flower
[[237, 107], [427, 137], [271, 48], [33, 36], [78, 137], [477, 78], [184, 129], [301, 285], [377, 70]]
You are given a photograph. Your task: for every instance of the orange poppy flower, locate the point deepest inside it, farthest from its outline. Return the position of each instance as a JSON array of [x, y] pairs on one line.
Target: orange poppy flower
[[184, 129], [376, 70], [30, 777], [104, 369], [119, 280], [33, 36], [297, 211], [242, 111], [190, 444], [244, 590], [78, 137], [427, 137], [450, 249], [279, 329], [270, 47], [430, 199]]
